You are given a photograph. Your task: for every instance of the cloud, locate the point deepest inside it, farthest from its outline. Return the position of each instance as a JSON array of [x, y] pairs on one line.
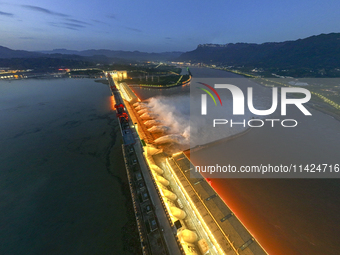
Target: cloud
[[6, 14], [78, 21], [43, 10], [111, 16], [133, 29], [100, 22], [65, 25], [72, 25], [72, 28], [53, 24]]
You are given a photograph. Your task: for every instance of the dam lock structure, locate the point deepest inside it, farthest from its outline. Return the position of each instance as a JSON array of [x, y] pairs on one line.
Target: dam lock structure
[[177, 211]]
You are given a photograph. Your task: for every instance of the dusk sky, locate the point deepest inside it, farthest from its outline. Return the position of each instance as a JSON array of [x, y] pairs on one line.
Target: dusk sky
[[158, 25]]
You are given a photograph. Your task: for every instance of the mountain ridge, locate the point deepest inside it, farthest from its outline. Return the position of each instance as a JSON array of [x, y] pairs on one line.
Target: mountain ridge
[[131, 55], [316, 51], [7, 53]]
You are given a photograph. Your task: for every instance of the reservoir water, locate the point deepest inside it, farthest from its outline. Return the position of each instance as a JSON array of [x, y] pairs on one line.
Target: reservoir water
[[60, 169]]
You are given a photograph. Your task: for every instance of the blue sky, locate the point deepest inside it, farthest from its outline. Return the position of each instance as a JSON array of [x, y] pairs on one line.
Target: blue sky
[[159, 25]]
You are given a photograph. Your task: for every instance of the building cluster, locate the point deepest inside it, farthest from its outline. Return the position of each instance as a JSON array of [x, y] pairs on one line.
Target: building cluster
[[118, 75]]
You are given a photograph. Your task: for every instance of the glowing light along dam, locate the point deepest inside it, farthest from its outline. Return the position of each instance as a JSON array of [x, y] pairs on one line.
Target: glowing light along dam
[[196, 217]]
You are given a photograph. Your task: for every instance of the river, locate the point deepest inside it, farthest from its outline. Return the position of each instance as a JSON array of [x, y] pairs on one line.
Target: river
[[286, 215]]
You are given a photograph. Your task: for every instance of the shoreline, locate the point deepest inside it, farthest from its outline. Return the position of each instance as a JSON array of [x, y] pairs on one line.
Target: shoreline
[[312, 103], [329, 113], [116, 168], [160, 86]]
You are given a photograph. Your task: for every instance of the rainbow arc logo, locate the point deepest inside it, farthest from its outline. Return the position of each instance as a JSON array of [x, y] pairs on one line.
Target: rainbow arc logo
[[209, 93], [204, 97]]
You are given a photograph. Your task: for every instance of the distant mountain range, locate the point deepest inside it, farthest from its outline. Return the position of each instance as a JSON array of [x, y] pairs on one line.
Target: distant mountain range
[[315, 52], [119, 54], [60, 58], [321, 51], [9, 53], [91, 55]]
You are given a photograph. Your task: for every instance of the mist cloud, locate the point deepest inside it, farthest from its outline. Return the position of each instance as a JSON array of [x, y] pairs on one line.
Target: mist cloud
[[6, 14], [43, 10]]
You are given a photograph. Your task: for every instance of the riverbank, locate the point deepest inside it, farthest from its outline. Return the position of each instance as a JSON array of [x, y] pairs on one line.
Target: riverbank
[[319, 102], [116, 168], [149, 86]]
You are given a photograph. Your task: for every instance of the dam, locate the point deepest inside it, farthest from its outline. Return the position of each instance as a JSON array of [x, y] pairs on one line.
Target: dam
[[177, 210]]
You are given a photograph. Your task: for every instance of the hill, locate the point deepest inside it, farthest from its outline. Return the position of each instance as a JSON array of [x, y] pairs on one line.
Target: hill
[[9, 53], [128, 55], [321, 51], [96, 56]]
